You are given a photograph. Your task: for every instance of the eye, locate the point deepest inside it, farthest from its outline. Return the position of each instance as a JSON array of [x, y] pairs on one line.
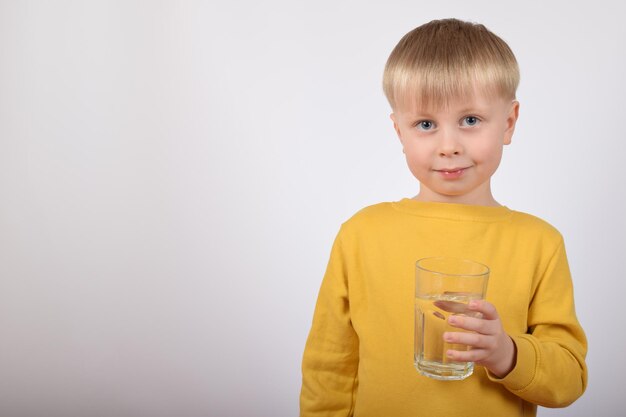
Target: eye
[[425, 125], [470, 121]]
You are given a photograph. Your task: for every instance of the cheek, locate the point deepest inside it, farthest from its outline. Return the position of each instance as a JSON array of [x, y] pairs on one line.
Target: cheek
[[417, 161], [488, 151], [416, 156]]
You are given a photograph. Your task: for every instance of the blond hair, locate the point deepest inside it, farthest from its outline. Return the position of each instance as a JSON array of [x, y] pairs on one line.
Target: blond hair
[[446, 59]]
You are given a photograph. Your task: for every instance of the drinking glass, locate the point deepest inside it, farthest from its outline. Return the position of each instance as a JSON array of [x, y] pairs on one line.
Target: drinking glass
[[444, 287]]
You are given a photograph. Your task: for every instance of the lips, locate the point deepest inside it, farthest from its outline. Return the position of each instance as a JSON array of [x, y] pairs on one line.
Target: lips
[[450, 169], [451, 173]]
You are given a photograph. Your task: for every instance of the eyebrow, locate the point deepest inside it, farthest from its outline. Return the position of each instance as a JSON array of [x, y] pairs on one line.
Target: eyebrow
[[474, 109], [421, 114]]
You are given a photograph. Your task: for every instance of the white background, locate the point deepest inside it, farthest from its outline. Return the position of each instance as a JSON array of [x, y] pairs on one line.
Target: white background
[[172, 176]]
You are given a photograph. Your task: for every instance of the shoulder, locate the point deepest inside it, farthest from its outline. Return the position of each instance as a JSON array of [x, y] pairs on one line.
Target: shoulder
[[373, 212], [532, 225], [369, 218]]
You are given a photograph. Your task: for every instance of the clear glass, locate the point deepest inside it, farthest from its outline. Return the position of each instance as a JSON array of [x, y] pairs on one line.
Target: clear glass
[[444, 287]]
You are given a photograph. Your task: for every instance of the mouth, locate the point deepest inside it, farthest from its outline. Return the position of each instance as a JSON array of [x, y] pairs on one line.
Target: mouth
[[451, 170], [452, 173]]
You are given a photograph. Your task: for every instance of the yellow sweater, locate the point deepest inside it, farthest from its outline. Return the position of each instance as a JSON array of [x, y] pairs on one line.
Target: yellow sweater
[[358, 358]]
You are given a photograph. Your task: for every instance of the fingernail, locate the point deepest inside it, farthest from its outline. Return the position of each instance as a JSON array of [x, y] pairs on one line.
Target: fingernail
[[473, 304], [452, 320]]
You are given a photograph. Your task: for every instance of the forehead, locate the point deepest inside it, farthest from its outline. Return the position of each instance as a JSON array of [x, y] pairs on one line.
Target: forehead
[[476, 100]]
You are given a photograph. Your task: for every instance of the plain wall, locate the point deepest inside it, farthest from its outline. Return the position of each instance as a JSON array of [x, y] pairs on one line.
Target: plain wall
[[173, 174]]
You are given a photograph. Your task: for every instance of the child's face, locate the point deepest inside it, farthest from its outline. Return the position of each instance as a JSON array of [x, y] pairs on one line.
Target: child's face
[[454, 151]]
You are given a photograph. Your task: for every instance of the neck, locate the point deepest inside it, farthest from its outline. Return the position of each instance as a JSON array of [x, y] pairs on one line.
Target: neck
[[474, 198]]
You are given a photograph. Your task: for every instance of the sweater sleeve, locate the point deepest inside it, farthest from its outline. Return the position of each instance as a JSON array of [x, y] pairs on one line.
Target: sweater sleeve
[[330, 361], [550, 370]]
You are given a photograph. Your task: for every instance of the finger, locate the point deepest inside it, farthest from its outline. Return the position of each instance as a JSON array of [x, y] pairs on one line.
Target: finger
[[487, 309], [487, 327], [473, 340], [472, 355], [452, 306]]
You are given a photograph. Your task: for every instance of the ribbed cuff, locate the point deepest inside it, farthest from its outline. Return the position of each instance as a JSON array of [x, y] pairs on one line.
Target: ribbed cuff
[[527, 361]]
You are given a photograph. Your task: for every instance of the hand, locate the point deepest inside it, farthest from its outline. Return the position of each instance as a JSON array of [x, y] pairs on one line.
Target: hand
[[490, 346]]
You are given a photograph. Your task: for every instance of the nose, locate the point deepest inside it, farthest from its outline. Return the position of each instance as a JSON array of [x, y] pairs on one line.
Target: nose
[[449, 144]]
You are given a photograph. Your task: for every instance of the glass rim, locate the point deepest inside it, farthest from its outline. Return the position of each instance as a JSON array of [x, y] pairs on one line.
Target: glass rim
[[460, 260]]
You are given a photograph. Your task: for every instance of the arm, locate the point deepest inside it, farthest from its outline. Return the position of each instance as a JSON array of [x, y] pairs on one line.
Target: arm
[[545, 366], [551, 369], [330, 361]]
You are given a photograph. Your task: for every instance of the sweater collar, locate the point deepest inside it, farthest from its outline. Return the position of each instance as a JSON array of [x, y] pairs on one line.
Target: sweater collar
[[452, 211]]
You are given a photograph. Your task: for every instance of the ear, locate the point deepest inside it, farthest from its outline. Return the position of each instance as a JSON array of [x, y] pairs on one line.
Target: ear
[[397, 129], [511, 120], [392, 116]]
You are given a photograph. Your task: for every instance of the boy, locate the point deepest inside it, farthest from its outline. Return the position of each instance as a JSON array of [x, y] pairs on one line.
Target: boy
[[451, 86]]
